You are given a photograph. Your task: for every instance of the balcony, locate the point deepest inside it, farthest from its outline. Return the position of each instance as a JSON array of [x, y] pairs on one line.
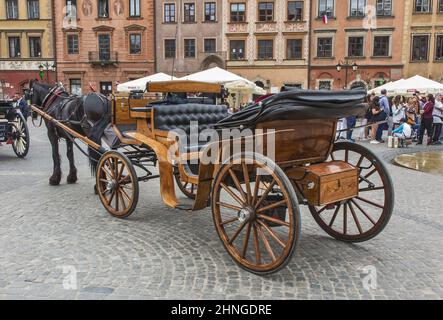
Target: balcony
[[103, 58]]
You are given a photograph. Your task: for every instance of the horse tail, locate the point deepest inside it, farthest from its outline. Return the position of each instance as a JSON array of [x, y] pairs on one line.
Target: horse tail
[[96, 135]]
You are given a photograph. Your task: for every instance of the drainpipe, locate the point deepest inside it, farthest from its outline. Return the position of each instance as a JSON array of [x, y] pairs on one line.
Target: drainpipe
[[310, 43], [54, 38]]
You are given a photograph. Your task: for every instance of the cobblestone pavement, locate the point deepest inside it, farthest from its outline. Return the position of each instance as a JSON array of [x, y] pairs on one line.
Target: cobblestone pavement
[[48, 232]]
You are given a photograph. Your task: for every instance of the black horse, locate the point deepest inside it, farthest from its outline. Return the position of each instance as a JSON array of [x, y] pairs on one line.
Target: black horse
[[89, 115]]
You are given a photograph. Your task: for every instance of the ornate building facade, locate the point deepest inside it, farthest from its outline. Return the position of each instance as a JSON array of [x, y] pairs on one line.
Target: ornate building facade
[[423, 39], [101, 43], [268, 41], [189, 37], [26, 44], [356, 43]]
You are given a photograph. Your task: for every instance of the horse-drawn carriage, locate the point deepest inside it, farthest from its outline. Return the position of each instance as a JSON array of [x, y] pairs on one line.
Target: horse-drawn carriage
[[253, 168], [13, 128]]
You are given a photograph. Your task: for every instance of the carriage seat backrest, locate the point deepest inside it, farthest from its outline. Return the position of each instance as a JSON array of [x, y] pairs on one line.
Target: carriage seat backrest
[[179, 116]]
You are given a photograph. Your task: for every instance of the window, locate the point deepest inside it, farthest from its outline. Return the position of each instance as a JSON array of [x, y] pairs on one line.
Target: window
[[324, 47], [420, 47], [384, 7], [357, 8], [71, 8], [294, 49], [381, 46], [439, 48], [265, 49], [169, 48], [440, 6], [103, 8], [210, 45], [237, 50], [169, 12], [14, 47], [189, 48], [295, 10], [134, 8], [75, 86], [355, 46], [72, 40], [104, 47], [189, 12], [325, 85], [106, 88], [135, 43], [265, 11], [423, 6], [210, 11], [11, 9], [35, 47], [33, 9], [238, 12], [326, 8]]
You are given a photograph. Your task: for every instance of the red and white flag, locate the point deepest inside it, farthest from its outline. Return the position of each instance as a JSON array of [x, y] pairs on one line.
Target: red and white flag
[[325, 19]]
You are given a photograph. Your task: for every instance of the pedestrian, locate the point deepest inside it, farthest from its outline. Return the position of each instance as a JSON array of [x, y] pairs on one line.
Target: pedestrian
[[437, 119], [378, 114], [363, 135], [404, 131], [386, 112], [23, 105], [398, 111], [426, 121]]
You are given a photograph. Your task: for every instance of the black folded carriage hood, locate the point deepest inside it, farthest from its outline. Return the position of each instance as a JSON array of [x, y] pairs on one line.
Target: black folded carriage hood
[[300, 105]]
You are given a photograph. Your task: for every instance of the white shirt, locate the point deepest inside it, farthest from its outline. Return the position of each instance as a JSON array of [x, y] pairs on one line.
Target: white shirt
[[398, 113], [438, 112], [407, 130]]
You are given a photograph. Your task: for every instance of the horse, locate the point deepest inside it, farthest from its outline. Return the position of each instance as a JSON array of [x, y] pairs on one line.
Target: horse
[[88, 115]]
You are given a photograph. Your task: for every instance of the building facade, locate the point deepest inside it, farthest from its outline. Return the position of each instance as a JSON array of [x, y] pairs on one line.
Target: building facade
[[26, 44], [356, 43], [268, 41], [423, 39], [101, 43], [188, 36]]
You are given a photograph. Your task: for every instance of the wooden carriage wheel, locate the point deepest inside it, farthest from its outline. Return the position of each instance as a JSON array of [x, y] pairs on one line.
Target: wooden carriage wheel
[[187, 188], [256, 213], [365, 216], [117, 184], [20, 136]]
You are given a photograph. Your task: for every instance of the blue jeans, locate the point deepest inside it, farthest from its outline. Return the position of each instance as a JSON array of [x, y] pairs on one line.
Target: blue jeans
[[351, 121], [380, 129]]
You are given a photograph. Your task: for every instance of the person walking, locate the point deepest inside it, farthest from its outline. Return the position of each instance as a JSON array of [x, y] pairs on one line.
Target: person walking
[[426, 121], [385, 107], [437, 119]]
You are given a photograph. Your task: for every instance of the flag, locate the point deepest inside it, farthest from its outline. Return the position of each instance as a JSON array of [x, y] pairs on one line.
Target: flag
[[325, 19]]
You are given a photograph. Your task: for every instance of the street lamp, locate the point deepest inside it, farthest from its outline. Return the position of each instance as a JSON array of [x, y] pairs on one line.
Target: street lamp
[[346, 65]]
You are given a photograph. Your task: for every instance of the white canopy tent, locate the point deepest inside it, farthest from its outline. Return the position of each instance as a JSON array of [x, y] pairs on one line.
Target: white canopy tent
[[140, 84], [411, 85]]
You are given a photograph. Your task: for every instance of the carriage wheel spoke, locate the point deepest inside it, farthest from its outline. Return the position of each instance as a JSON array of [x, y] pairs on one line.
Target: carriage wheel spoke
[[266, 243], [237, 184], [371, 189], [360, 161], [331, 223], [256, 245], [370, 173], [108, 174], [247, 183], [370, 202], [120, 172], [229, 221], [364, 212], [116, 200], [111, 198], [276, 221], [229, 206], [271, 206], [242, 226], [123, 192], [272, 233], [246, 241], [232, 194], [256, 187], [354, 215], [345, 219], [265, 194], [122, 201], [321, 210]]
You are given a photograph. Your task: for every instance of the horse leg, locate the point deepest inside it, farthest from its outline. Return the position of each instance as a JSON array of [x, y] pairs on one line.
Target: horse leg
[[54, 180], [72, 177]]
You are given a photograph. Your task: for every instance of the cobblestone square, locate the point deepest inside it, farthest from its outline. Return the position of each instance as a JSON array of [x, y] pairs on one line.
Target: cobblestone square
[[59, 243]]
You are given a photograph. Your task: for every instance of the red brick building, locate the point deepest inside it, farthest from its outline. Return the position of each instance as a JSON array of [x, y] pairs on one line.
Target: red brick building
[[103, 43], [355, 43]]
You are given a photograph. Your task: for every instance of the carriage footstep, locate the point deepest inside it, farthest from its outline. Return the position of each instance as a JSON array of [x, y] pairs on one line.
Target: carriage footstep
[[184, 207]]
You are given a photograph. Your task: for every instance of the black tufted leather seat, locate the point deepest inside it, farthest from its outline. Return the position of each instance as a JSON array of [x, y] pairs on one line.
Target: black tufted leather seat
[[179, 117]]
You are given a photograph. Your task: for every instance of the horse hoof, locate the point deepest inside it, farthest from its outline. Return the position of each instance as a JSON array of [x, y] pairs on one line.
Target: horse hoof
[[71, 179], [54, 182]]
